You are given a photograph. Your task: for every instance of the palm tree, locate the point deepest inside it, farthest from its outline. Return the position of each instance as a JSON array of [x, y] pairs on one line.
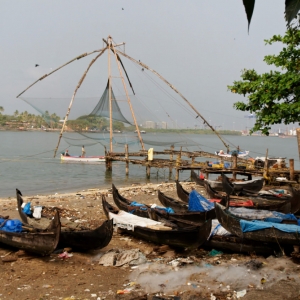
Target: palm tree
[[16, 113]]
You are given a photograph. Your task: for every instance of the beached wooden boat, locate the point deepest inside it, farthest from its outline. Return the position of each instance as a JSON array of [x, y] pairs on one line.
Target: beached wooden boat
[[82, 159], [182, 194], [181, 207], [196, 178], [265, 200], [253, 185], [80, 240], [174, 234], [234, 225], [285, 204], [42, 242], [154, 213], [236, 244]]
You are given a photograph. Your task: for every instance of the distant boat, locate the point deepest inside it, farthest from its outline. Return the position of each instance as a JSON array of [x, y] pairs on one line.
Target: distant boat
[[82, 159], [141, 131], [229, 154]]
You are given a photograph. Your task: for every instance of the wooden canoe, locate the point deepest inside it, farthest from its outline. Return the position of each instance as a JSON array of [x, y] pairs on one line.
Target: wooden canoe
[[155, 213], [42, 242], [81, 240], [195, 178], [187, 237], [235, 244], [270, 235], [182, 194], [254, 185], [180, 207]]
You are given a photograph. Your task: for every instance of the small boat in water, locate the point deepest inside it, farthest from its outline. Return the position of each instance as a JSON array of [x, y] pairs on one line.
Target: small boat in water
[[232, 153], [82, 159]]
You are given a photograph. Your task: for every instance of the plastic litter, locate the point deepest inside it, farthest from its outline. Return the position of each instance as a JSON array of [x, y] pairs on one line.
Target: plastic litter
[[37, 212], [241, 294], [125, 291], [214, 252], [26, 208], [65, 255]]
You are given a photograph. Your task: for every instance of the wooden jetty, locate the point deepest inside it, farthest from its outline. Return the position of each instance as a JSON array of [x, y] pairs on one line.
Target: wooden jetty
[[180, 160]]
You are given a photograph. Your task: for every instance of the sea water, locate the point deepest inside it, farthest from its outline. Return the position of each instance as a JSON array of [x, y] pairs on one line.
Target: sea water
[[27, 162]]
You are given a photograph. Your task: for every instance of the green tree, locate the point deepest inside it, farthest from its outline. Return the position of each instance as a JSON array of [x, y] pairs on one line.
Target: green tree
[[1, 109], [273, 96], [292, 8], [117, 125]]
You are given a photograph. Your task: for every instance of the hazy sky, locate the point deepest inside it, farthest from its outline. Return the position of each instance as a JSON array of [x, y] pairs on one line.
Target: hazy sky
[[199, 46]]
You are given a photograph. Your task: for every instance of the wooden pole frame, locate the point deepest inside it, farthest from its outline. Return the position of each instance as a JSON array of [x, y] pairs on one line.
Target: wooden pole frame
[[128, 99], [46, 75], [109, 39], [74, 94], [173, 88]]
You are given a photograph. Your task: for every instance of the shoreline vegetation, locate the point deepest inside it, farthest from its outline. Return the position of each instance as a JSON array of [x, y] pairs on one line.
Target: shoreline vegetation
[[93, 124]]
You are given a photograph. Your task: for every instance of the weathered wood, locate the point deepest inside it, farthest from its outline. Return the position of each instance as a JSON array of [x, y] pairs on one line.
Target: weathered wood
[[171, 161], [126, 157], [148, 168], [292, 171], [298, 140], [234, 163]]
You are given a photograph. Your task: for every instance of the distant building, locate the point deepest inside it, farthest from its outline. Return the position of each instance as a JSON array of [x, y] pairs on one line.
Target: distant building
[[164, 125], [150, 124]]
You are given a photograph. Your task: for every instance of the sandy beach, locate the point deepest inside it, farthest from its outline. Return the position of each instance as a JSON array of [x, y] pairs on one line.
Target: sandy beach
[[167, 274]]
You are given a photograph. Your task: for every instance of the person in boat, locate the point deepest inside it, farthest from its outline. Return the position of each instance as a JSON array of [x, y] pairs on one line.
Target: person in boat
[[221, 152], [82, 152], [66, 153]]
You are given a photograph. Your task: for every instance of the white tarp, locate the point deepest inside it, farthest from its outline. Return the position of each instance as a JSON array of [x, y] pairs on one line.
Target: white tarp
[[129, 221]]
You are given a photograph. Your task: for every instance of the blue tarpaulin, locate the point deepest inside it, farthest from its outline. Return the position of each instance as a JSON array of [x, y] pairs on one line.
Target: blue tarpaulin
[[11, 225], [139, 205], [27, 209], [255, 225], [199, 203], [144, 207]]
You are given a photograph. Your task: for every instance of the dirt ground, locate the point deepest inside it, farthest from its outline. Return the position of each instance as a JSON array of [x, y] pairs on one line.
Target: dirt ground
[[197, 274]]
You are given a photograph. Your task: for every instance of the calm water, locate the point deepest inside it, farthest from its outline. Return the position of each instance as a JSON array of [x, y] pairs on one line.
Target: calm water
[[27, 163]]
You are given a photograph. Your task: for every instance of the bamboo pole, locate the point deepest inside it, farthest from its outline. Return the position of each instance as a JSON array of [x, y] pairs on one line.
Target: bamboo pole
[[128, 99], [109, 96], [76, 89], [46, 75], [173, 88]]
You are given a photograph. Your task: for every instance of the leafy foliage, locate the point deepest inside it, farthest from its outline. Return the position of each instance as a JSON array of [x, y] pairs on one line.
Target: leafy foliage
[[274, 96], [292, 8]]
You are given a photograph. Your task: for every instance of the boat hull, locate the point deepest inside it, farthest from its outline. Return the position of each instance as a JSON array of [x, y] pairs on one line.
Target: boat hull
[[188, 237], [82, 159], [40, 242], [83, 240], [270, 235]]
